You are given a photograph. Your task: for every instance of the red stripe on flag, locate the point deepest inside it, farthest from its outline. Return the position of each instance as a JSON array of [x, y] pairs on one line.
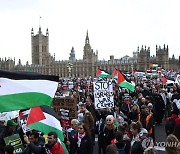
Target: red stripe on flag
[[120, 77], [36, 114], [164, 80], [98, 72]]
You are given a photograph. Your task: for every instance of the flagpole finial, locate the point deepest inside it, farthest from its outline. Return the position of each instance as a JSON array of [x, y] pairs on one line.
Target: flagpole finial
[[40, 21]]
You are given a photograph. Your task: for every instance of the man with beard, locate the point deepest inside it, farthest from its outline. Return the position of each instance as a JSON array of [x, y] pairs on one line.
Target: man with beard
[[53, 145], [35, 144]]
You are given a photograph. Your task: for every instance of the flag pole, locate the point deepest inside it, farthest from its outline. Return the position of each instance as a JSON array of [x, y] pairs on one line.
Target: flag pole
[[39, 21]]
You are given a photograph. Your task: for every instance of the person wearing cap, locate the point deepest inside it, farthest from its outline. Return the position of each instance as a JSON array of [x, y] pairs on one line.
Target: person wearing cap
[[9, 130]]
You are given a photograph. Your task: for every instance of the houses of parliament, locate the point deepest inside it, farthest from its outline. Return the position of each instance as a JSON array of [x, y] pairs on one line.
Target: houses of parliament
[[45, 63]]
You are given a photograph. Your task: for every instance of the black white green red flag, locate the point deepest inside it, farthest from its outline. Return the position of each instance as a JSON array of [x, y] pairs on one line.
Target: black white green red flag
[[22, 90], [124, 82], [102, 74], [46, 121]]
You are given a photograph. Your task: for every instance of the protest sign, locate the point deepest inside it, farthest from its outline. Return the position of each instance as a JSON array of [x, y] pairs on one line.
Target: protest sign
[[5, 116], [15, 141], [70, 85], [103, 93], [65, 103], [23, 115], [64, 114]]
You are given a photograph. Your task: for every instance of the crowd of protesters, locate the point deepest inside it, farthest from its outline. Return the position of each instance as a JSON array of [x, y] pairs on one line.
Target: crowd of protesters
[[129, 124], [127, 128]]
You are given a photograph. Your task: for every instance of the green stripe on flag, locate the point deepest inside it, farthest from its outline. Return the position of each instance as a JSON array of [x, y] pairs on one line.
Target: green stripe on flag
[[20, 101], [129, 86], [46, 129]]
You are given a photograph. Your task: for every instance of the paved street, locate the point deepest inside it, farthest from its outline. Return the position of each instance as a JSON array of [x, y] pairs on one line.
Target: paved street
[[160, 136]]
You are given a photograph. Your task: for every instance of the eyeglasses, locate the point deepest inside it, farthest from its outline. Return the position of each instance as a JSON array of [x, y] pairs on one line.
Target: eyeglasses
[[108, 119]]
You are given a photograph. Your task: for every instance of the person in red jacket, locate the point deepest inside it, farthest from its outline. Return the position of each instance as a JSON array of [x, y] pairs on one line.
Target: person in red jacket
[[53, 145], [172, 121], [174, 115]]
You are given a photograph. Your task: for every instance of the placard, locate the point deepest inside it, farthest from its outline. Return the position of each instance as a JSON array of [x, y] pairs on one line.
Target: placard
[[65, 103], [15, 141], [103, 94]]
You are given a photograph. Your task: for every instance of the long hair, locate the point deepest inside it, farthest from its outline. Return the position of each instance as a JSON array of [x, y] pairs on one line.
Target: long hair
[[177, 131], [172, 145], [86, 128], [89, 120], [137, 110], [136, 126]]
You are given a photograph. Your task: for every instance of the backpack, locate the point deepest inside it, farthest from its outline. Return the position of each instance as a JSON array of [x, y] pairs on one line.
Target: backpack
[[169, 126], [121, 150]]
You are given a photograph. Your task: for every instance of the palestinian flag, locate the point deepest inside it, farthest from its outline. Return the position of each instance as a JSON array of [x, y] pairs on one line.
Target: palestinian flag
[[153, 65], [102, 74], [115, 74], [46, 121], [22, 90], [124, 82], [166, 81]]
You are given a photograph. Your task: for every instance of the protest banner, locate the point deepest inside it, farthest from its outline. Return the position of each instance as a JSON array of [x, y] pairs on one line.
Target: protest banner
[[65, 103], [70, 85], [5, 116], [15, 141], [103, 93], [23, 115]]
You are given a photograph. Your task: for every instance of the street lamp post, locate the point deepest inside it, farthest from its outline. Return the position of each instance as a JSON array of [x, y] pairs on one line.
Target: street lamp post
[[69, 67]]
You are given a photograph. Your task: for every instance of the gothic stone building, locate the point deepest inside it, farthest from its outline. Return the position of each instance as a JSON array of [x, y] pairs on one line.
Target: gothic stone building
[[44, 62]]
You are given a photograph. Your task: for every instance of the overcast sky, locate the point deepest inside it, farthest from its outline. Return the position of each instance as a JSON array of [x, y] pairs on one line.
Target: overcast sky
[[116, 27]]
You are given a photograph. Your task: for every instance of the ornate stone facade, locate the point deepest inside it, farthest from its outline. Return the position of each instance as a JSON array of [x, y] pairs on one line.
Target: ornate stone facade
[[44, 62]]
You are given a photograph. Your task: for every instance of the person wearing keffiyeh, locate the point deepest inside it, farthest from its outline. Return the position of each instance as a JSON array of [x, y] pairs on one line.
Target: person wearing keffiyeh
[[81, 141]]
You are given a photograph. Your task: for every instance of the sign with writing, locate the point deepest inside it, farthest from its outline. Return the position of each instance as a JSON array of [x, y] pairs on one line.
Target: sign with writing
[[65, 123], [15, 141], [64, 114], [5, 116], [103, 94], [70, 85], [23, 115], [65, 103]]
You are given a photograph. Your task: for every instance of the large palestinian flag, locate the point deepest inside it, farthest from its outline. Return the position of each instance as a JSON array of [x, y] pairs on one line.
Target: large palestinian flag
[[44, 119], [124, 82], [22, 90], [102, 74]]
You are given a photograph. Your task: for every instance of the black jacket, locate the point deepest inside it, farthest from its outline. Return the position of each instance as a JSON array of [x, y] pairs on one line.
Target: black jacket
[[86, 146], [36, 148]]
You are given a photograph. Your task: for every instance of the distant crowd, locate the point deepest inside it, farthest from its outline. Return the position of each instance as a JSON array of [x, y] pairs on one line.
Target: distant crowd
[[127, 128]]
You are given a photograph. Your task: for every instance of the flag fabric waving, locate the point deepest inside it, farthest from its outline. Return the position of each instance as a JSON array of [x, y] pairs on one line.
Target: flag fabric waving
[[102, 74], [166, 81], [46, 121], [124, 82], [115, 74], [22, 90]]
